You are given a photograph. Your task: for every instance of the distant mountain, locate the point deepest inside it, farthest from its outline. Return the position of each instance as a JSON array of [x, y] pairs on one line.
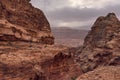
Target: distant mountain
[[69, 36], [68, 33], [83, 27]]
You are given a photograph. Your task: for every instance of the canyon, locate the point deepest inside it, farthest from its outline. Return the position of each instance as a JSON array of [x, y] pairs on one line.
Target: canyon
[[28, 52], [26, 45]]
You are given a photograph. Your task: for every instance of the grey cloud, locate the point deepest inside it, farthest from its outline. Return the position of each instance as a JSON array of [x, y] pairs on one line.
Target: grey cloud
[[69, 14], [76, 14], [63, 12], [50, 4], [73, 14]]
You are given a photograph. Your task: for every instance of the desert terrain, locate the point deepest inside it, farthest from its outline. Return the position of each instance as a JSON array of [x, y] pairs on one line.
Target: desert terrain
[[31, 50]]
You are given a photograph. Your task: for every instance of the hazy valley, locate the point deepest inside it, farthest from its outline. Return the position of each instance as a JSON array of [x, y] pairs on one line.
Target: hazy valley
[[68, 36], [30, 49]]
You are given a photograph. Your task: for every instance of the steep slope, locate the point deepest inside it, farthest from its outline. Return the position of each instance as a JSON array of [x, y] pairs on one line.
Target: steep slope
[[20, 21], [103, 73], [101, 46]]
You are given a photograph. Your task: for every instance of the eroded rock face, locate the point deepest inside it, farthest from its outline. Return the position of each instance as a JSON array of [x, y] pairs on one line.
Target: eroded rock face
[[61, 67], [20, 21], [38, 62], [105, 33], [101, 46], [103, 73]]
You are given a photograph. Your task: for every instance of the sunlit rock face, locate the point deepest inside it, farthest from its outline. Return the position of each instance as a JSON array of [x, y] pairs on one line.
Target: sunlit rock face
[[101, 46], [20, 21]]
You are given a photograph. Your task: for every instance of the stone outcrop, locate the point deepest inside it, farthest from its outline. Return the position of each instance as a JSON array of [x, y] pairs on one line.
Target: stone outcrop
[[105, 33], [101, 46], [103, 73], [38, 62], [20, 21], [61, 67]]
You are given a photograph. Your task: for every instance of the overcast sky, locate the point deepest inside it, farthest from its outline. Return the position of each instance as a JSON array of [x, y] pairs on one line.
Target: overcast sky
[[76, 13]]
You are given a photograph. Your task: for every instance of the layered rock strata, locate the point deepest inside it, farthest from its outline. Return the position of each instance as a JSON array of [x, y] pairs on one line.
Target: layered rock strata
[[20, 21], [101, 46]]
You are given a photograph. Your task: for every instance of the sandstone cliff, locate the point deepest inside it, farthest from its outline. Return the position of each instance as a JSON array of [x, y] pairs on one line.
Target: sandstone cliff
[[39, 62], [103, 73], [20, 21], [101, 46]]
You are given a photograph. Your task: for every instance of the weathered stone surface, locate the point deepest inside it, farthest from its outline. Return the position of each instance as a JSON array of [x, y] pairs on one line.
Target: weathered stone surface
[[20, 21], [101, 46], [103, 73], [19, 61], [105, 33], [61, 67]]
